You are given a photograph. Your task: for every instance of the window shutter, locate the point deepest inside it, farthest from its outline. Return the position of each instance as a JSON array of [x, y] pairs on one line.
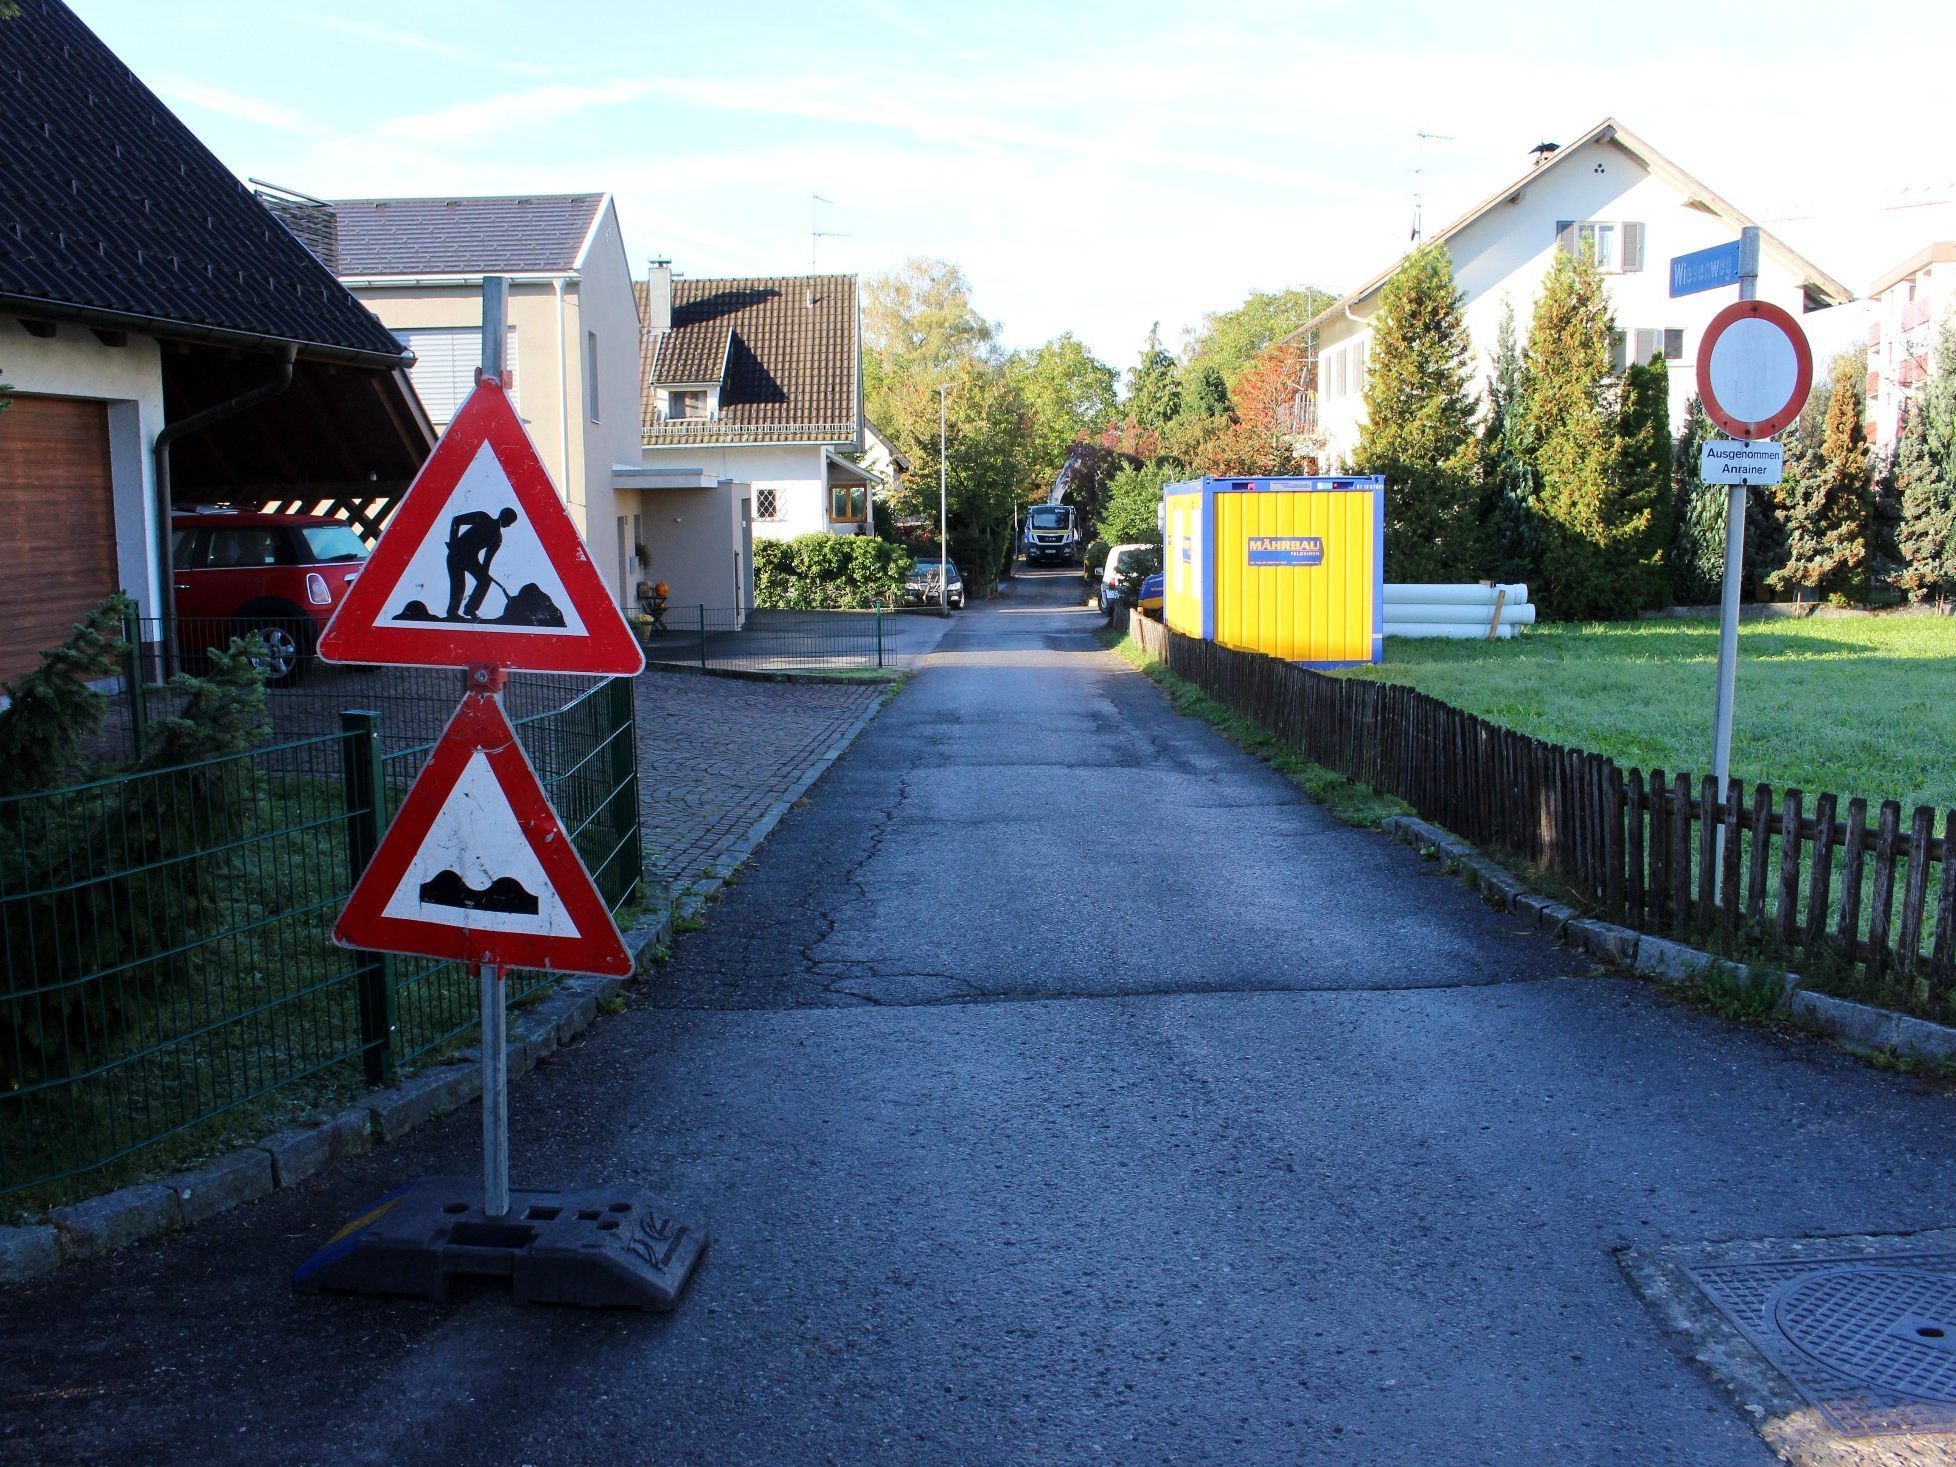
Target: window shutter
[[1619, 343], [1646, 345], [1565, 236], [1633, 246], [444, 368]]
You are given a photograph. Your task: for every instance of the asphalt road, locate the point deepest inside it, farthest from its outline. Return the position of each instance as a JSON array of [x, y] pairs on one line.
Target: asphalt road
[[1062, 1088]]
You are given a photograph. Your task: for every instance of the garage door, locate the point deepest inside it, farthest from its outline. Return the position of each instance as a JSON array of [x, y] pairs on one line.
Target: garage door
[[57, 523]]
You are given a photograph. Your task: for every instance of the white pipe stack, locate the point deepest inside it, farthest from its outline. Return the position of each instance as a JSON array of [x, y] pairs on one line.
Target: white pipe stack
[[1457, 611]]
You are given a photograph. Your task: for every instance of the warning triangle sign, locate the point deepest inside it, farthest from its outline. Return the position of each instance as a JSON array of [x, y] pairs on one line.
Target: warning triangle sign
[[482, 563], [476, 867]]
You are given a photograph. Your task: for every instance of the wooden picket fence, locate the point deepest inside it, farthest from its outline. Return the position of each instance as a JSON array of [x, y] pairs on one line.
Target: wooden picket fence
[[1643, 851]]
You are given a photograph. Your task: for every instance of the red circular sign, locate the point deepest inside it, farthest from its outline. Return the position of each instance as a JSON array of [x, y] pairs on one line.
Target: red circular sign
[[1754, 369]]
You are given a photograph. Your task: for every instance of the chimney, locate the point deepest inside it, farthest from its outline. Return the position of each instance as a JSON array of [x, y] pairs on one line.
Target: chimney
[[658, 296], [1544, 151]]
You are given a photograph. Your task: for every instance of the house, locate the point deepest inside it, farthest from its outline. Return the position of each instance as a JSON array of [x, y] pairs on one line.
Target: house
[[1608, 191], [1910, 304], [759, 381], [885, 460], [573, 330], [167, 341]]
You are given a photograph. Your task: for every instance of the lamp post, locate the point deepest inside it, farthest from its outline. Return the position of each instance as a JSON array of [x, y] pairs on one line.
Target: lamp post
[[943, 509]]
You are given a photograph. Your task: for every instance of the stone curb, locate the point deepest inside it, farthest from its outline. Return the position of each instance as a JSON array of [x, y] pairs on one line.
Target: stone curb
[[290, 1156], [779, 675], [697, 894], [1857, 1027]]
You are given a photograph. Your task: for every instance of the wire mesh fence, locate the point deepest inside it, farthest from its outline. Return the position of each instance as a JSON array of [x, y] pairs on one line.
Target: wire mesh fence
[[765, 641], [165, 948]]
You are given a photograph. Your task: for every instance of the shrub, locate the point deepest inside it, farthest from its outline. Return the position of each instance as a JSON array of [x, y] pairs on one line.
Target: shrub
[[819, 572], [155, 831]]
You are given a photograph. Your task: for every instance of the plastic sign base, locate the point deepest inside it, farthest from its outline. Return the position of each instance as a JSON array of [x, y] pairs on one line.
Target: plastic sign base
[[601, 1247]]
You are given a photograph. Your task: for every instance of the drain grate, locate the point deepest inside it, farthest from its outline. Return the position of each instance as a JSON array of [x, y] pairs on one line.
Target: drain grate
[[1871, 1342]]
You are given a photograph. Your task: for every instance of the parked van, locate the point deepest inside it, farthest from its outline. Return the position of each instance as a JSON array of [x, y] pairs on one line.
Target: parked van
[[1124, 562]]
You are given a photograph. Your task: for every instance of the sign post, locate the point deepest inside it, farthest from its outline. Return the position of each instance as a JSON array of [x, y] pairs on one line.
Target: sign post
[[1754, 371], [476, 868]]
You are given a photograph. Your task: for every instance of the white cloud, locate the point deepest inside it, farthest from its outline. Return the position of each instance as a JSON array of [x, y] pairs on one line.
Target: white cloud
[[389, 36], [237, 104]]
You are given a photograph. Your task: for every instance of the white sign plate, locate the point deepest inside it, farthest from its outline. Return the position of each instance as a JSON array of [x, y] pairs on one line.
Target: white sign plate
[[1727, 461]]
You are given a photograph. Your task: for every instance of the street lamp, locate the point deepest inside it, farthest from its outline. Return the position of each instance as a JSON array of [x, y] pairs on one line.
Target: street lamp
[[943, 510]]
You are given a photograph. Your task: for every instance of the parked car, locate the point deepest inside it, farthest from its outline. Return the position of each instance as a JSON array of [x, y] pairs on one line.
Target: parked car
[[279, 575], [920, 586], [1153, 592], [1125, 562]]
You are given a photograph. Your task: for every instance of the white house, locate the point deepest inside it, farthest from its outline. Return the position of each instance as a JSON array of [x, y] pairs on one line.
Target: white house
[[574, 331], [1608, 190], [758, 381], [1910, 305]]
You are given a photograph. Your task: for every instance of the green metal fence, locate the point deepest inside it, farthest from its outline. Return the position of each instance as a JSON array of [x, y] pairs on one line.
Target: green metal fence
[[165, 950], [766, 641]]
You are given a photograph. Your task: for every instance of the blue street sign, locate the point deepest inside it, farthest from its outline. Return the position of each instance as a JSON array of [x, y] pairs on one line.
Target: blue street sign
[[1705, 269]]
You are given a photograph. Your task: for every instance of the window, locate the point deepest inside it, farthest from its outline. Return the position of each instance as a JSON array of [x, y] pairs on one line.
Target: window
[[1616, 245], [329, 543], [444, 368], [688, 404], [767, 504], [591, 374], [846, 502], [245, 545], [1652, 341]]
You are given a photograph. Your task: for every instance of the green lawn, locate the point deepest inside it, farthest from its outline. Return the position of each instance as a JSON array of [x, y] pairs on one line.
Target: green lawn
[[1851, 705]]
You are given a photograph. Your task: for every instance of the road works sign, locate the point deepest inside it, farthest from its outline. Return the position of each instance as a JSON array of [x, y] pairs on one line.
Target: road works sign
[[1754, 369], [483, 564], [476, 867], [1725, 461]]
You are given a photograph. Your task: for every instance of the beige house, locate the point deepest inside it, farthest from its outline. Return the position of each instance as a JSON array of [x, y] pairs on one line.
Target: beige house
[[573, 351], [1910, 306]]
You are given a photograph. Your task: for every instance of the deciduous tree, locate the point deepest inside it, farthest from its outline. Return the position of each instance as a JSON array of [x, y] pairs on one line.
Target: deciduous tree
[[1230, 340], [1068, 393]]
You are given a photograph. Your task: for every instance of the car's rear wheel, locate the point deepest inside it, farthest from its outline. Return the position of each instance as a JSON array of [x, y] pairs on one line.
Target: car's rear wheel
[[288, 635]]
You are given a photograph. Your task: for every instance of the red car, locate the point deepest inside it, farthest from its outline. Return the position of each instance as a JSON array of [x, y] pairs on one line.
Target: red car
[[279, 575]]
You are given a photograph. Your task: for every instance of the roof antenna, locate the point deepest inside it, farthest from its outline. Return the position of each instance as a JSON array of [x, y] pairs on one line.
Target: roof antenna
[[1419, 184], [816, 234]]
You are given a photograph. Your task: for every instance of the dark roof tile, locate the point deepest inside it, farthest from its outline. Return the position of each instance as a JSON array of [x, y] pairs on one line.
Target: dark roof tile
[[111, 207], [789, 345]]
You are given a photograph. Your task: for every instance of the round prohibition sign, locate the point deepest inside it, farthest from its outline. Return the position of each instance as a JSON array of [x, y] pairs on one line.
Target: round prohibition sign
[[1754, 369]]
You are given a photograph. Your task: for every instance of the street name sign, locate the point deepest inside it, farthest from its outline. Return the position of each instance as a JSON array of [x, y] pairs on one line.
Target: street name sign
[[482, 564], [1754, 369], [1728, 461], [1705, 269], [476, 867]]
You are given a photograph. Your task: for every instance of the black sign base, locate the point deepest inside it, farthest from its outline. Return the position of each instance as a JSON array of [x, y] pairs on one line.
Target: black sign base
[[596, 1246]]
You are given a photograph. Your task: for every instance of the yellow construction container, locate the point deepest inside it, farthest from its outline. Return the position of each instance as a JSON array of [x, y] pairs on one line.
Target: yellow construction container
[[1292, 566]]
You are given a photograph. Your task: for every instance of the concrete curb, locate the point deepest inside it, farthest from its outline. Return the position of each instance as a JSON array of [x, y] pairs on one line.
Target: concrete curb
[[1857, 1027], [290, 1156]]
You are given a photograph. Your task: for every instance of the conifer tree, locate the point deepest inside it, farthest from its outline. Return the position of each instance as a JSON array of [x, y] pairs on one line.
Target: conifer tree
[[1698, 514], [1926, 537], [1154, 396], [1419, 423], [1567, 379], [1514, 539], [1637, 513], [1827, 499]]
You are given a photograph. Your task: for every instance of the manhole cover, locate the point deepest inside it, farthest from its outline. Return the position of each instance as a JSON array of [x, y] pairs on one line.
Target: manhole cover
[[1870, 1341], [1891, 1327]]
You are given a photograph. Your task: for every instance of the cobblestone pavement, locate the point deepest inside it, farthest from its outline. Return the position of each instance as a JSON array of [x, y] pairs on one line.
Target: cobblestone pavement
[[715, 752]]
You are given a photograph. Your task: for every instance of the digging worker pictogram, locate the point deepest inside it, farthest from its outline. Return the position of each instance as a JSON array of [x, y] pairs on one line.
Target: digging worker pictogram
[[473, 540]]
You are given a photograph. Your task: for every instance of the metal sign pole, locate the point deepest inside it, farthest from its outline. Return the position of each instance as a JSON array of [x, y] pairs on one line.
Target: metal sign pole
[[489, 976], [943, 511], [1728, 617]]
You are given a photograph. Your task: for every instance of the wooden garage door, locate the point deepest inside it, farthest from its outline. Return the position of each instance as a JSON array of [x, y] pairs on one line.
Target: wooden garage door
[[57, 523]]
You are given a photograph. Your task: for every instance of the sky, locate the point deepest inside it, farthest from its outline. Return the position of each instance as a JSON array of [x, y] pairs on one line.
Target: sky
[[1092, 168]]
